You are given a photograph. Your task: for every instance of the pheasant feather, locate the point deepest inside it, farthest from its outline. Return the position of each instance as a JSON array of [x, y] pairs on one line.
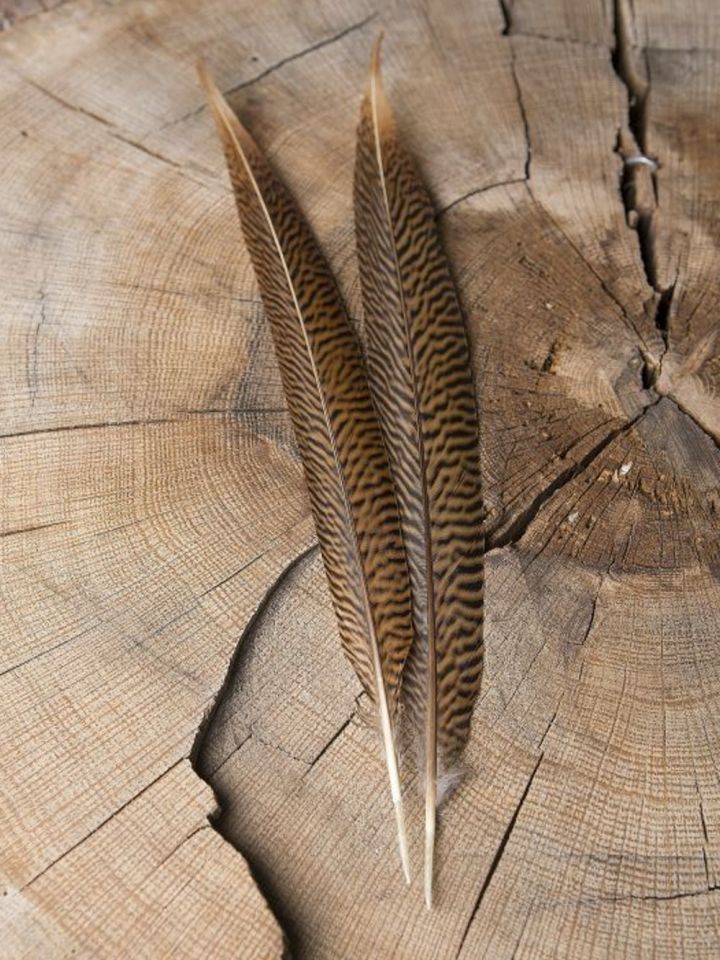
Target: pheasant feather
[[338, 434], [420, 373]]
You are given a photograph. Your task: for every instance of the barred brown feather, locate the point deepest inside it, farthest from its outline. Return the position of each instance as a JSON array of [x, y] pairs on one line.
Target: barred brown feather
[[420, 372], [336, 426]]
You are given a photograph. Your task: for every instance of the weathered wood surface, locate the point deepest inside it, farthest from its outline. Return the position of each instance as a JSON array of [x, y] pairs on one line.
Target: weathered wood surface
[[153, 511]]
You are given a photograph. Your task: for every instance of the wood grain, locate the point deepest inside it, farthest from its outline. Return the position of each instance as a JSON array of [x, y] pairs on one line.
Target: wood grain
[[163, 605]]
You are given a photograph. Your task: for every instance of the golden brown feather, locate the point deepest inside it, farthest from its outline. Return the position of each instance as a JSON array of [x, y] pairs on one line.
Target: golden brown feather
[[336, 427], [420, 372]]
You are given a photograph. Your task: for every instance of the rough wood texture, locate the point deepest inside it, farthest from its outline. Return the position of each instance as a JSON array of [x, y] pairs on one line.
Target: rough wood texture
[[154, 512]]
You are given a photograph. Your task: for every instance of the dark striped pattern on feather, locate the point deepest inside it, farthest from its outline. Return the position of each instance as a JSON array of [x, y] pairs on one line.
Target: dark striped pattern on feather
[[336, 426], [420, 372]]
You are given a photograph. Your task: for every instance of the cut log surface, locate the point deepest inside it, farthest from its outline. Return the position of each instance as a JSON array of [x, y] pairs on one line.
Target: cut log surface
[[165, 626]]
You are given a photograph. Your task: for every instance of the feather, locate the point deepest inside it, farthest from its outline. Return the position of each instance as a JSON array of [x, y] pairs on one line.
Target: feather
[[421, 377], [337, 430]]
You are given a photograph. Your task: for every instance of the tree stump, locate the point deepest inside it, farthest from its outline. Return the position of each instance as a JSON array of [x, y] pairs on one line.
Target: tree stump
[[166, 627]]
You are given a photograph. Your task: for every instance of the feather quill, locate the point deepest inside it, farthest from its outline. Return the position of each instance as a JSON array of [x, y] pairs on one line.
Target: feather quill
[[420, 374], [336, 427]]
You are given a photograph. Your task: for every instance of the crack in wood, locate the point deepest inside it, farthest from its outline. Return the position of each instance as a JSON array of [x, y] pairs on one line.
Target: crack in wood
[[245, 566], [607, 290], [593, 611], [477, 191], [507, 30], [150, 422], [551, 723], [640, 217], [301, 53], [523, 928], [691, 416], [181, 844], [39, 526], [33, 356], [523, 114], [253, 735], [338, 733], [572, 41], [506, 14], [277, 747], [147, 422], [498, 538], [48, 650], [651, 897], [318, 45], [236, 749], [102, 823], [183, 170], [702, 818], [151, 153], [495, 863], [245, 637], [66, 103], [236, 411]]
